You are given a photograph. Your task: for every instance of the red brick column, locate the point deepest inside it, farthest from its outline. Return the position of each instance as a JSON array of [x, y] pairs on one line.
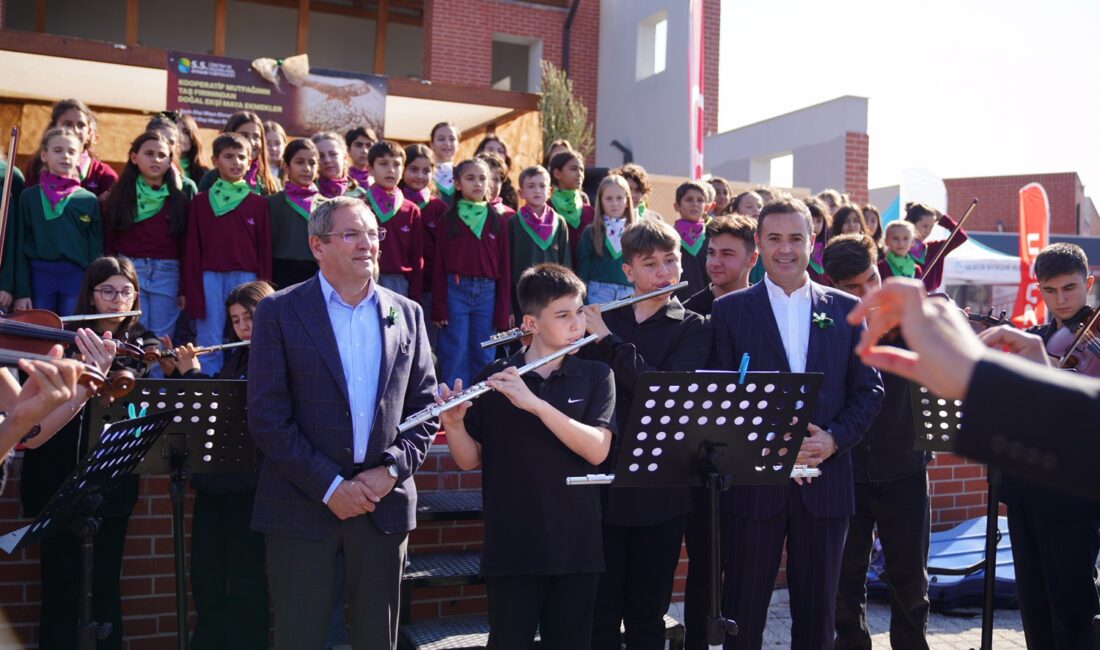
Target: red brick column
[[855, 166]]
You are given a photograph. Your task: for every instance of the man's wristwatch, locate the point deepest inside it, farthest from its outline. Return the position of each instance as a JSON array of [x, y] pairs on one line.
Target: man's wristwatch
[[391, 465]]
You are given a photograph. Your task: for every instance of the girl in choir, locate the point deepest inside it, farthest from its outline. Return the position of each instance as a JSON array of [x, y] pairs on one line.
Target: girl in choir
[[823, 222], [567, 175], [333, 179], [471, 276], [58, 231], [638, 180], [145, 219], [723, 196], [493, 143], [228, 242], [292, 262], [167, 127], [193, 157], [359, 140], [600, 251], [443, 142], [258, 175], [109, 285], [498, 176], [848, 220], [557, 146], [748, 204], [926, 249], [275, 142], [228, 577], [94, 175], [873, 219], [416, 183]]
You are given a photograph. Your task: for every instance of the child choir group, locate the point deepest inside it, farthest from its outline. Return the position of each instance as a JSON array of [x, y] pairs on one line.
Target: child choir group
[[195, 236]]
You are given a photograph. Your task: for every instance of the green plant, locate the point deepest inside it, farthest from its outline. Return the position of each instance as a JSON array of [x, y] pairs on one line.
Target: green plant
[[563, 115]]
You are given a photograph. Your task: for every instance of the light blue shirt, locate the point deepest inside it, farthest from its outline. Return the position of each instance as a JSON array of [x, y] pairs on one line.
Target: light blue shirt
[[358, 332]]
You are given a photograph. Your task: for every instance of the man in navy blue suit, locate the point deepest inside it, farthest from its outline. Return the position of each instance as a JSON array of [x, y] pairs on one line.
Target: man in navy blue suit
[[337, 362], [788, 323]]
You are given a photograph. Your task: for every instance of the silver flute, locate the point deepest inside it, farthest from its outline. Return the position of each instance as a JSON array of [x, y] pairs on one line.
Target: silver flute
[[798, 471], [516, 333], [83, 317], [477, 390]]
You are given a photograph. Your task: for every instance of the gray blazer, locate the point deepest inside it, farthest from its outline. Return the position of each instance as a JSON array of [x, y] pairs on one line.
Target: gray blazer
[[299, 416]]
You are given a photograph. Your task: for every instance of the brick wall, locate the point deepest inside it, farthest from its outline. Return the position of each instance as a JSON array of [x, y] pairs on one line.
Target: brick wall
[[855, 166], [458, 38], [998, 200], [712, 44]]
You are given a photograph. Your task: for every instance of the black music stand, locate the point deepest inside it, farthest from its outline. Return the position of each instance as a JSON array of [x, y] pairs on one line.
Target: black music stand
[[208, 434], [936, 422], [712, 429], [121, 447]]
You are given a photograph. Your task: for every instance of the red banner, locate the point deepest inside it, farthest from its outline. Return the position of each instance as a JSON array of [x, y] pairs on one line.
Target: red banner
[[695, 87], [1034, 235]]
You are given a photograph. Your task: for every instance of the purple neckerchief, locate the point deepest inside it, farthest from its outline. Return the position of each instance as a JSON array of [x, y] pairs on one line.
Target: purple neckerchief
[[383, 199], [332, 187], [301, 196], [541, 224], [57, 188], [690, 231], [419, 197], [252, 173], [361, 176]]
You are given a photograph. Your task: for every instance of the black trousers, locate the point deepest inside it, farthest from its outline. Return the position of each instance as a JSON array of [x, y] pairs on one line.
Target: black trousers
[[61, 567], [697, 589], [558, 607], [228, 579], [636, 586], [900, 508], [1055, 559]]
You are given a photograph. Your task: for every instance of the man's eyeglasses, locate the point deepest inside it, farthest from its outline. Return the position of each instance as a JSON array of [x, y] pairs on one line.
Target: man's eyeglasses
[[356, 236], [109, 293]]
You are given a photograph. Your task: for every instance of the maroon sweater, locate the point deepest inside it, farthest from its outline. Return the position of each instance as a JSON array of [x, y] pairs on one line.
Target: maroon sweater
[[403, 248], [463, 254], [100, 176], [885, 271], [239, 240], [934, 276], [149, 238], [429, 219]]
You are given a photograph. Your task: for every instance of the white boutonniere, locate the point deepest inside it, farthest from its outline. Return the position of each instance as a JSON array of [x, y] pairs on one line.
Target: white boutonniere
[[822, 321]]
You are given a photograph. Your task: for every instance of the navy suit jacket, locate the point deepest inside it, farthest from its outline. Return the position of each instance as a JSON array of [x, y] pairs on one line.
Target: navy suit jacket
[[850, 395], [299, 414]]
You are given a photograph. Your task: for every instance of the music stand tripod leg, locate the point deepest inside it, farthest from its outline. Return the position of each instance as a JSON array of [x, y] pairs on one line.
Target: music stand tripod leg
[[90, 631], [717, 625], [177, 490], [992, 540]]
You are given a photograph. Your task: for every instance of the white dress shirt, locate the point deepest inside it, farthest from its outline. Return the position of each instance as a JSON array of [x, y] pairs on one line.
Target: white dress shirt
[[792, 317]]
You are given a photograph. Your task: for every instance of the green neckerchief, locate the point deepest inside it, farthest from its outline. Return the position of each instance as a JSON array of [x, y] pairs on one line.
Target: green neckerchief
[[615, 254], [185, 165], [641, 209], [901, 265], [473, 214], [52, 212], [694, 248], [534, 236], [447, 192], [224, 196], [383, 217], [816, 268], [568, 204], [149, 201]]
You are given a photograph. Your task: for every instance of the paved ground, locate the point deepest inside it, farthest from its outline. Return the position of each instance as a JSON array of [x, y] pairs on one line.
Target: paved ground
[[944, 632]]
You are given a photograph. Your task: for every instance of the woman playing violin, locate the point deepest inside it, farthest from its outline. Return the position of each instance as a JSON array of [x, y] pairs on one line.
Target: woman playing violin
[[109, 285]]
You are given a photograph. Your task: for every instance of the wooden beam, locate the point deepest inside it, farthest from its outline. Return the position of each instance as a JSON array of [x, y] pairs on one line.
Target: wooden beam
[[380, 36], [40, 16], [131, 22], [219, 27], [83, 49], [323, 7], [416, 89], [303, 27]]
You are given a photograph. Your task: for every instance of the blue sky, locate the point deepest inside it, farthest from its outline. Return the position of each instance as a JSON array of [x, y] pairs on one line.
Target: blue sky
[[972, 88]]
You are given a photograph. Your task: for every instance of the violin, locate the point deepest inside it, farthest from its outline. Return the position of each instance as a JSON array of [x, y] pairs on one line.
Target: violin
[[116, 384], [37, 330], [1077, 347], [988, 320]]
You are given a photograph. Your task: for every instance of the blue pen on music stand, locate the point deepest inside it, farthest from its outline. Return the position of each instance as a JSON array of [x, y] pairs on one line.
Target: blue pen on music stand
[[744, 368]]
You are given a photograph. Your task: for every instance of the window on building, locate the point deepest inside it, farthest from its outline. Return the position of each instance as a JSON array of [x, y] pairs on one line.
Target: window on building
[[516, 63], [781, 173], [652, 45]]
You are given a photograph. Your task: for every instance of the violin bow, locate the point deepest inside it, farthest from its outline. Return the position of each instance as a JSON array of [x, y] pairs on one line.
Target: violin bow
[[5, 198], [943, 250]]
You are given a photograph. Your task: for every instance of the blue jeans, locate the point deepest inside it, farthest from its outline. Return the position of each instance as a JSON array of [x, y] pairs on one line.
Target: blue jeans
[[470, 303], [395, 282], [159, 281], [55, 285], [216, 285], [601, 292]]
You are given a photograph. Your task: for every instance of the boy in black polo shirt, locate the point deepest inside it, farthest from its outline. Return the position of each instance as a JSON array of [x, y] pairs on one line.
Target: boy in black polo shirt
[[643, 528], [891, 488], [542, 554]]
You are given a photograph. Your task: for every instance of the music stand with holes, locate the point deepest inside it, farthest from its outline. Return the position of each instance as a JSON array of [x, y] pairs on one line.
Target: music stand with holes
[[121, 447], [208, 434], [706, 428], [936, 422]]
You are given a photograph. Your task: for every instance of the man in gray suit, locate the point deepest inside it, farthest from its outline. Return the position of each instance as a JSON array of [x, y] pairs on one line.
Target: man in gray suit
[[337, 362]]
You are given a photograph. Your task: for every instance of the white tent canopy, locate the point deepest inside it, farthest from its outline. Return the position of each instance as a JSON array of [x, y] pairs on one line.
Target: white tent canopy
[[976, 263]]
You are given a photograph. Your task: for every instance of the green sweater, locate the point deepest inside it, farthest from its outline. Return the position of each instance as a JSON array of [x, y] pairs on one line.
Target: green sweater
[[75, 236], [598, 268], [289, 231]]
